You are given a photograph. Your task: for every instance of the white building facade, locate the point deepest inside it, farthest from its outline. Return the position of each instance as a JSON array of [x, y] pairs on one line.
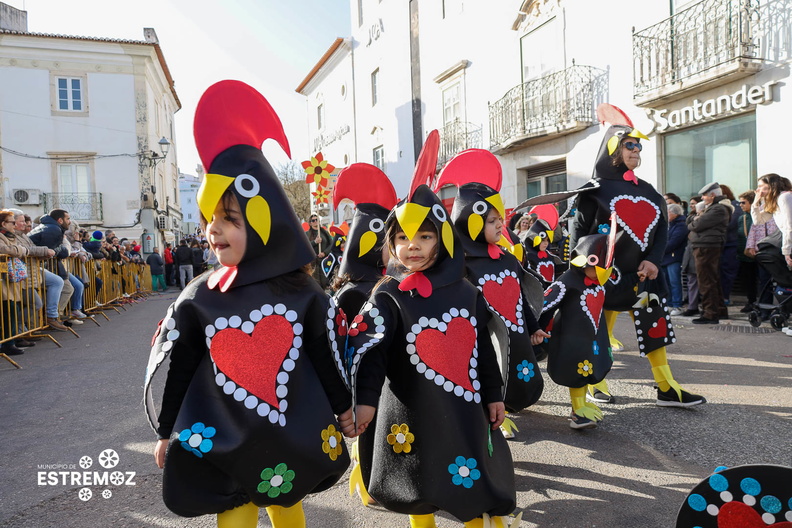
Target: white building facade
[[81, 120], [188, 193], [523, 79]]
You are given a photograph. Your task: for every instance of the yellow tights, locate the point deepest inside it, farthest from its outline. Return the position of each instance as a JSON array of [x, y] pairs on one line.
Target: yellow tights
[[247, 516]]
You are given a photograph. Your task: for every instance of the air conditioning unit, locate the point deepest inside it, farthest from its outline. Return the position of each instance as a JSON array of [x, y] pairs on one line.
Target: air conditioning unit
[[163, 222], [27, 196]]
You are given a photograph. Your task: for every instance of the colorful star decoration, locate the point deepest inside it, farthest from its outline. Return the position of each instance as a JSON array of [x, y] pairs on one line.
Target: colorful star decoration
[[321, 195], [317, 170]]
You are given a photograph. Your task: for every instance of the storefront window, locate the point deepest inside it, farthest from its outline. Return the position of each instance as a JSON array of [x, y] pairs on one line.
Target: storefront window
[[724, 151]]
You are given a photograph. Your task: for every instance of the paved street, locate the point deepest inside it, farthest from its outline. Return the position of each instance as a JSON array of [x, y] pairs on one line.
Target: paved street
[[635, 470]]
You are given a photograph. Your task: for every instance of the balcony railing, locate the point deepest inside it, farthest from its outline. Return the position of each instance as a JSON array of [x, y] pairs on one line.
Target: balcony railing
[[457, 136], [82, 207], [557, 103], [709, 40]]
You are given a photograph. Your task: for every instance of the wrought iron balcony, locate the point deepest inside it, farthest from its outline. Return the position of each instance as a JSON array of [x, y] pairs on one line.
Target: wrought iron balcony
[[82, 207], [457, 136], [711, 41], [558, 103]]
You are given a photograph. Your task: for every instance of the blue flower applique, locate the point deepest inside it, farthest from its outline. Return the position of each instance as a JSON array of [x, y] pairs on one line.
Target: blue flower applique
[[595, 348], [196, 439], [525, 370], [464, 471], [603, 229]]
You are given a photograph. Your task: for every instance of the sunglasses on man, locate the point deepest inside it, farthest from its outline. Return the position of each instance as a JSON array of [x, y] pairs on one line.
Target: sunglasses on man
[[629, 145]]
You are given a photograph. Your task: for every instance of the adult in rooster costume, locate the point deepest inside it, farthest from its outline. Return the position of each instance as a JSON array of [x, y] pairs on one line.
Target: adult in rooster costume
[[248, 416], [425, 380], [512, 295], [642, 231]]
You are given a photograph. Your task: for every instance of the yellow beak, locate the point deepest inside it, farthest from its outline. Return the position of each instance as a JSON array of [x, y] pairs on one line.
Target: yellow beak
[[367, 241], [210, 192], [603, 274], [410, 217], [497, 203]]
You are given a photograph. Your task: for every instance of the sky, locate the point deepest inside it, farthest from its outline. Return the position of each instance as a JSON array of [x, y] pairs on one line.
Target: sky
[[269, 44]]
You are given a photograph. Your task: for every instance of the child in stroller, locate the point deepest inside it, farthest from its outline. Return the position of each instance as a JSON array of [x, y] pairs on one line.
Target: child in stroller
[[780, 283]]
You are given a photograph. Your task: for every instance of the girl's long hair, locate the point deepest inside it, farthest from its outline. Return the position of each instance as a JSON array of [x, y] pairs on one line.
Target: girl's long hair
[[778, 184]]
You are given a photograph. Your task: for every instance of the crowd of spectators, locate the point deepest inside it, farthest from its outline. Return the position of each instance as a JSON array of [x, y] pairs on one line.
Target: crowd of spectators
[[715, 238], [56, 237]]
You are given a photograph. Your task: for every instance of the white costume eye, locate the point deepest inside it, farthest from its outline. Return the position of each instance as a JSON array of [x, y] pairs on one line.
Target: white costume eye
[[376, 225], [440, 212], [542, 235], [246, 185], [592, 260], [480, 208]]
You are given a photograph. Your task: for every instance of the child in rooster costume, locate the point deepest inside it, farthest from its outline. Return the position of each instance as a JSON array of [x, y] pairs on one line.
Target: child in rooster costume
[[579, 352], [425, 380], [478, 217], [374, 197], [537, 258], [642, 230], [248, 415]]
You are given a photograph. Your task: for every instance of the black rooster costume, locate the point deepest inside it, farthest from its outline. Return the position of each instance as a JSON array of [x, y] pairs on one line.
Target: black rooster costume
[[578, 350], [423, 358], [642, 231], [540, 261], [253, 387], [497, 275]]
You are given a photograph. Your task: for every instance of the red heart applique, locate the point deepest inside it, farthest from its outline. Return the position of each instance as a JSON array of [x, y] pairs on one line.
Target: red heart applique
[[636, 215], [659, 330], [739, 515], [449, 353], [594, 300], [546, 270], [253, 361], [503, 297]]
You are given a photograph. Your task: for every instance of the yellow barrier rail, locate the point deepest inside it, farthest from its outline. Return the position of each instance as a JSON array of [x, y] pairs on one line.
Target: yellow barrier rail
[[106, 286]]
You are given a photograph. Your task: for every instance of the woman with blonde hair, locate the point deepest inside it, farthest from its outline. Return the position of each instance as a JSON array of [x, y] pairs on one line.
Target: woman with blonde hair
[[774, 196]]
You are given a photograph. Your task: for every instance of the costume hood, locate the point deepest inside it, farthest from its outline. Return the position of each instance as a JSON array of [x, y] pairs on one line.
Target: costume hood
[[232, 120], [374, 197]]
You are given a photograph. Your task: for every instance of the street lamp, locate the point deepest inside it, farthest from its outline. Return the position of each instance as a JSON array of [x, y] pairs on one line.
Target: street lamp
[[153, 157]]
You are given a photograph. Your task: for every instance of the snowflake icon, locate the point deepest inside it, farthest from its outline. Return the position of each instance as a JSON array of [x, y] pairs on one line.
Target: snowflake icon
[[106, 494], [108, 458], [85, 494], [86, 462], [116, 478]]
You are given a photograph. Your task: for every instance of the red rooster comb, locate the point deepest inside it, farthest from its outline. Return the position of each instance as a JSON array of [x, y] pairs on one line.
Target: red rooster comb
[[472, 166], [427, 163], [608, 113], [364, 183], [234, 113]]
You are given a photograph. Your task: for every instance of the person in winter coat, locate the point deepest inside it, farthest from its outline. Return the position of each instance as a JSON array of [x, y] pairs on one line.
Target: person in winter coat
[[707, 236], [674, 252], [321, 241], [157, 266], [182, 259]]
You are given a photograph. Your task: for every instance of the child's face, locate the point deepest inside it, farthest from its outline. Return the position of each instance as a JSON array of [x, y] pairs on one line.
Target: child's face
[[591, 272], [417, 254], [227, 235], [493, 226], [543, 245]]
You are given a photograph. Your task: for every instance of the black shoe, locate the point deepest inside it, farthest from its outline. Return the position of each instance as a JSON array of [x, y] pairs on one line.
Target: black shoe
[[748, 308], [704, 320], [11, 350], [67, 323], [599, 397], [689, 313], [579, 422], [670, 398], [24, 343]]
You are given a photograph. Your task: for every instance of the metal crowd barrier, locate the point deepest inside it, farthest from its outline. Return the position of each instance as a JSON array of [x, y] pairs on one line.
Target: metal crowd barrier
[[108, 286]]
